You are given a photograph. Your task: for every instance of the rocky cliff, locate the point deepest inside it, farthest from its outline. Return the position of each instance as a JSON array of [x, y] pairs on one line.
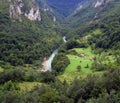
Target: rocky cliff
[[89, 11], [91, 3], [99, 3], [19, 8]]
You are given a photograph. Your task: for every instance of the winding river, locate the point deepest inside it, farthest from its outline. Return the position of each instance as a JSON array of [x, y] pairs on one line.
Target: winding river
[[50, 59], [47, 65]]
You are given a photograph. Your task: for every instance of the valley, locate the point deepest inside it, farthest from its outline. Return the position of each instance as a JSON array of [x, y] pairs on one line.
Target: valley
[[59, 51]]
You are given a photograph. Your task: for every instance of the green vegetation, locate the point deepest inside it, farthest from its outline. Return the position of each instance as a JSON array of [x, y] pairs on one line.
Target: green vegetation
[[94, 87], [28, 85], [1, 69], [97, 32], [85, 70], [64, 7], [72, 43], [102, 34], [59, 63], [29, 44], [84, 58], [89, 63], [91, 88], [26, 41]]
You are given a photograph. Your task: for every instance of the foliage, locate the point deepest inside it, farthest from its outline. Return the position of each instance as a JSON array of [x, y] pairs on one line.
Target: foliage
[[78, 68], [72, 44], [106, 98], [13, 75], [47, 77], [98, 66], [59, 63], [93, 87], [26, 41]]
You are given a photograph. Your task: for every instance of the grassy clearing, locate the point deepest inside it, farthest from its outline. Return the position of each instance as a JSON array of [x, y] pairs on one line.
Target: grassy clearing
[[84, 58], [77, 60], [97, 32], [85, 61], [70, 76], [94, 32], [1, 69], [28, 85]]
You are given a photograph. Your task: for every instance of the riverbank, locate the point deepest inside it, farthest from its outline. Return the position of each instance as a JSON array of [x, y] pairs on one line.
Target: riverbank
[[44, 66], [47, 63]]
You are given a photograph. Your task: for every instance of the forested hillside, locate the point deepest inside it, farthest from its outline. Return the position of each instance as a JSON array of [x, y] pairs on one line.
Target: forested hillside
[[24, 41], [107, 21], [91, 13], [64, 7]]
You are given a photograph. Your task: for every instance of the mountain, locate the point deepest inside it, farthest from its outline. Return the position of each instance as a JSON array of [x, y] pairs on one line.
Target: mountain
[[104, 17], [62, 8], [89, 11], [73, 11], [27, 32], [83, 15], [30, 9]]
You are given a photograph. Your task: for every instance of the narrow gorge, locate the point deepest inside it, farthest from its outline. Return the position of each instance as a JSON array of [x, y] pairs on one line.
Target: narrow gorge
[[47, 62]]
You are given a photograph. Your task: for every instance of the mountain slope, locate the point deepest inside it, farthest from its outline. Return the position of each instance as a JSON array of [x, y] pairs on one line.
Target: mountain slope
[[63, 7], [24, 39], [107, 21], [72, 8], [87, 12]]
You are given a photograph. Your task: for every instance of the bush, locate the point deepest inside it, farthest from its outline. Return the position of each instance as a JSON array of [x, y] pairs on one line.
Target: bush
[[79, 68], [98, 66], [60, 62], [13, 75], [47, 77], [72, 52]]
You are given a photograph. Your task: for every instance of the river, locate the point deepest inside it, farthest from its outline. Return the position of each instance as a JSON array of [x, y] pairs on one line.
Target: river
[[49, 61], [47, 64], [64, 39]]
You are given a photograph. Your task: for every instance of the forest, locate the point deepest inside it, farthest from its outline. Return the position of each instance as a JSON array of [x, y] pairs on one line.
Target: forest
[[27, 41]]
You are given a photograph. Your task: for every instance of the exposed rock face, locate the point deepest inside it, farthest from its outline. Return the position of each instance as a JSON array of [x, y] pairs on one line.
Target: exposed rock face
[[95, 4], [16, 12], [34, 14], [79, 7], [15, 9], [88, 3], [54, 19], [99, 3]]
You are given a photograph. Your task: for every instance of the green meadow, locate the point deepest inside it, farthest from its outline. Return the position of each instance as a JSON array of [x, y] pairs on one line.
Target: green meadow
[[84, 58]]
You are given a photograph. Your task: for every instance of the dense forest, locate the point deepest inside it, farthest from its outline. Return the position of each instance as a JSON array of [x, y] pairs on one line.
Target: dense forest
[[26, 41]]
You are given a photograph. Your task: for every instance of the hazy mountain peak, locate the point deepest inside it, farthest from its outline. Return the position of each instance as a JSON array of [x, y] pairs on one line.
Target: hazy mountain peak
[[66, 8]]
